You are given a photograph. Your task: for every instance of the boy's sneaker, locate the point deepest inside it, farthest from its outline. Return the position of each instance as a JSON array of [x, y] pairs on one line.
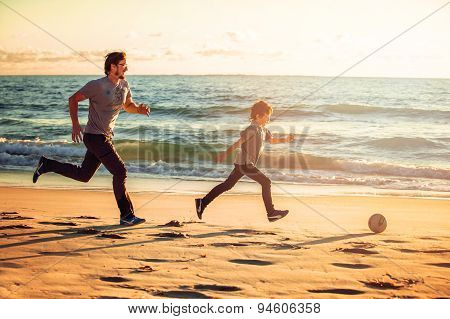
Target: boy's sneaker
[[275, 215], [131, 220], [38, 171], [199, 207]]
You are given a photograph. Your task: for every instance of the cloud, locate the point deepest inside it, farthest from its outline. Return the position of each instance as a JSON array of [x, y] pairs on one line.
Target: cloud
[[133, 35], [154, 35], [239, 36], [219, 52], [29, 56], [226, 52]]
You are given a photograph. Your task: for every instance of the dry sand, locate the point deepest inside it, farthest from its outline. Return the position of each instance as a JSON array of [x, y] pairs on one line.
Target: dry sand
[[322, 249]]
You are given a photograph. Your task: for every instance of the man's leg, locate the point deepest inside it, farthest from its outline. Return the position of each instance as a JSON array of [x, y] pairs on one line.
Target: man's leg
[[81, 173], [104, 150]]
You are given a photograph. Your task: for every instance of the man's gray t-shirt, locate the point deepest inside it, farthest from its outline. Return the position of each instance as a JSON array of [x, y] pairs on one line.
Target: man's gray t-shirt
[[250, 151], [106, 99]]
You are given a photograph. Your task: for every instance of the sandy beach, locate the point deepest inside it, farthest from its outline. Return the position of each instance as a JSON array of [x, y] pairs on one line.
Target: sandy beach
[[65, 243]]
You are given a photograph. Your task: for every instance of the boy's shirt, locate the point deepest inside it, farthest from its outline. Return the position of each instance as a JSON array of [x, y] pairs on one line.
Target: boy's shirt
[[250, 151]]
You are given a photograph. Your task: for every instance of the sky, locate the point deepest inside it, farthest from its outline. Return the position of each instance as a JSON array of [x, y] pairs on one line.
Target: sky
[[265, 37]]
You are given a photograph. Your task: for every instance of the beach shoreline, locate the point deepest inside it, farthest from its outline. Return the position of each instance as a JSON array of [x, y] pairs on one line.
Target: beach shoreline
[[183, 185]]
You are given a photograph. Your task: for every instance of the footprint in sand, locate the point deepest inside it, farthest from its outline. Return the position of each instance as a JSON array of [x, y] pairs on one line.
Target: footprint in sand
[[360, 251], [6, 264], [58, 223], [428, 238], [443, 265], [286, 246], [183, 294], [359, 244], [85, 217], [8, 213], [155, 260], [339, 291], [391, 282], [382, 285], [216, 287], [111, 236], [394, 241], [352, 266], [171, 235], [253, 262], [114, 279], [228, 244], [144, 269], [172, 223], [15, 218], [20, 226], [430, 251], [436, 251], [88, 231]]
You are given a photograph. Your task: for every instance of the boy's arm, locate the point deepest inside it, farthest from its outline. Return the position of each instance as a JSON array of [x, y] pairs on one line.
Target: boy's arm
[[285, 139], [221, 156]]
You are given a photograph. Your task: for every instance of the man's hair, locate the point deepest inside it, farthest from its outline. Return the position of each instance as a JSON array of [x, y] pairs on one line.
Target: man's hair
[[113, 58], [260, 108]]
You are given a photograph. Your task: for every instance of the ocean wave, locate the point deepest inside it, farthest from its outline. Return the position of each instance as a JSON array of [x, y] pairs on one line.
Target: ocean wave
[[302, 161], [11, 122], [25, 153], [302, 110], [354, 109], [221, 110], [405, 143]]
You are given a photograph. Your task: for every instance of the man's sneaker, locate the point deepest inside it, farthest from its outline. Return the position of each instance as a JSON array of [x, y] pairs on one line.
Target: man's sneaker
[[38, 170], [131, 220], [276, 215], [199, 207]]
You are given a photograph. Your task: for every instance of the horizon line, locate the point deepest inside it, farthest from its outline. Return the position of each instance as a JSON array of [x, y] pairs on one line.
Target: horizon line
[[239, 74]]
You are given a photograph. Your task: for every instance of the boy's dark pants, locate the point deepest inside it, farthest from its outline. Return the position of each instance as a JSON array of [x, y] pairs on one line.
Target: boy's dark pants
[[100, 150], [240, 170]]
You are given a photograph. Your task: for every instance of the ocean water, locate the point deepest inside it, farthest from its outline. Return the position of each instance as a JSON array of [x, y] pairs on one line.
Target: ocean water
[[383, 133]]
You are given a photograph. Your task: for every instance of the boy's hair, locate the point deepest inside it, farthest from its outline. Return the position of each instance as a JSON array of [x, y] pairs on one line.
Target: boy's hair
[[113, 58], [260, 108]]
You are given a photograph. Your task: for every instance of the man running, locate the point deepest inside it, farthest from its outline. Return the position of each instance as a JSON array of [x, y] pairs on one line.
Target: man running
[[107, 96]]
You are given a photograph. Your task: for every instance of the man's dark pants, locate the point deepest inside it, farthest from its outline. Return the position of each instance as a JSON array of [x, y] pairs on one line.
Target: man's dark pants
[[100, 150]]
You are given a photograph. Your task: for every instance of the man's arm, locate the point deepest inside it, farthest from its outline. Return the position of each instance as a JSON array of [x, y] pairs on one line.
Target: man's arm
[[275, 140], [77, 131], [132, 107]]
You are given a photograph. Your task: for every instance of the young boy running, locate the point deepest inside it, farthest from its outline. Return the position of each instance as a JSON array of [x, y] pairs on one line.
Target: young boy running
[[251, 143]]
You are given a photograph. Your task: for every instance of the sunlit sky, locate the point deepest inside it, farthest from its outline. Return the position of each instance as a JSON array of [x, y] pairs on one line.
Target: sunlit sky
[[227, 37]]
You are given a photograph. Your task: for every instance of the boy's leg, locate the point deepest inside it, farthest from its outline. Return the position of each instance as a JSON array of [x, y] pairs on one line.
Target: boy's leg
[[228, 184], [258, 176]]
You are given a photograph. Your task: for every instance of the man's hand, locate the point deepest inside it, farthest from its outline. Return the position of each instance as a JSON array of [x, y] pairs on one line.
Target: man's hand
[[220, 157], [143, 109], [77, 133]]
